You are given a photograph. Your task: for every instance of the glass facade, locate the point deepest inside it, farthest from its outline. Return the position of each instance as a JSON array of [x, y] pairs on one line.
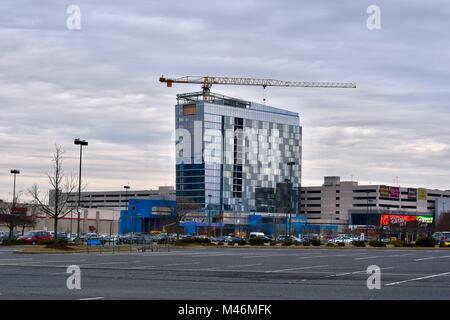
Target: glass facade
[[226, 151]]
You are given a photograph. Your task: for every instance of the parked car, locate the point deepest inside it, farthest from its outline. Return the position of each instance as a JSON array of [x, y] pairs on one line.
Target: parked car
[[311, 236], [33, 237], [342, 239], [287, 238], [163, 238], [442, 237], [233, 240], [125, 238], [62, 235], [112, 239], [256, 235], [71, 237]]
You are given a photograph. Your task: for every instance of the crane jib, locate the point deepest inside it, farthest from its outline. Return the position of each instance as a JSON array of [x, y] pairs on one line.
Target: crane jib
[[208, 81]]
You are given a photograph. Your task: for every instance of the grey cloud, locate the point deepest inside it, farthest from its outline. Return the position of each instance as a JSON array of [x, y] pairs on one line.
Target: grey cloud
[[101, 83]]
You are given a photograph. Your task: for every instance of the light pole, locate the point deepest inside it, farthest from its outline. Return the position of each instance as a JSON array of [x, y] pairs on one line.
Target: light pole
[[238, 221], [127, 187], [14, 172], [126, 195], [290, 164], [208, 217], [81, 143], [367, 207], [331, 224]]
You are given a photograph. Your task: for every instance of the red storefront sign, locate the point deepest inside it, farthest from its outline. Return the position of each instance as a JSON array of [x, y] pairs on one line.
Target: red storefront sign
[[387, 219]]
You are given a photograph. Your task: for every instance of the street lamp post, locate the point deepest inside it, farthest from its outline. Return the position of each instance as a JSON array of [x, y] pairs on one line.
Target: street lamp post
[[81, 143], [208, 215], [238, 221], [367, 207], [14, 172], [290, 164], [127, 187]]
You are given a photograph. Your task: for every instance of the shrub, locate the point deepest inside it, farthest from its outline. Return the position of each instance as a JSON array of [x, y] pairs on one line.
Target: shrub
[[306, 243], [341, 244], [180, 242], [60, 246], [397, 243], [12, 242], [45, 242], [377, 243], [256, 241], [288, 243], [329, 244], [202, 240], [359, 243], [409, 245], [315, 242], [187, 240], [242, 242], [273, 243], [426, 242], [220, 243]]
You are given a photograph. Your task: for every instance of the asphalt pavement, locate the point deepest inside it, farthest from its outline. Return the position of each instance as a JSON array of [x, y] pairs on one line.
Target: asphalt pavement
[[229, 273]]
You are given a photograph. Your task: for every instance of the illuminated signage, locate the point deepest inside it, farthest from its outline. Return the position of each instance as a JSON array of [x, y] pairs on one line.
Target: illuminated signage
[[421, 194], [425, 219], [388, 219], [394, 192], [384, 191]]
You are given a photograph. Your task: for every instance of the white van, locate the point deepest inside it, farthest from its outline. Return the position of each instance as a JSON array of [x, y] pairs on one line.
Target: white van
[[256, 235]]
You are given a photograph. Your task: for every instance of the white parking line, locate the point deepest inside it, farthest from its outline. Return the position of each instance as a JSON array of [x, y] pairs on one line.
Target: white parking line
[[417, 279], [389, 256], [105, 263], [4, 270], [328, 256], [95, 298], [279, 255], [37, 263], [291, 269], [431, 258], [231, 266], [217, 255], [179, 264], [355, 272]]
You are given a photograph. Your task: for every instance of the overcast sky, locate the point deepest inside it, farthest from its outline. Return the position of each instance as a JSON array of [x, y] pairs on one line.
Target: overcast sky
[[100, 83]]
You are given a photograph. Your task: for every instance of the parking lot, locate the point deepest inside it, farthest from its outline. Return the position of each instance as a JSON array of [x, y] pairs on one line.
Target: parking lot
[[229, 273]]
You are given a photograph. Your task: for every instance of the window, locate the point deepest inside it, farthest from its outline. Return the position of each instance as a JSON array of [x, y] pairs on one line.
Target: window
[[189, 109]]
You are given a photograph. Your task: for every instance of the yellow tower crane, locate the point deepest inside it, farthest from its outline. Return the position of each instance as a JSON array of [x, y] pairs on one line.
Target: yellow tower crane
[[208, 81]]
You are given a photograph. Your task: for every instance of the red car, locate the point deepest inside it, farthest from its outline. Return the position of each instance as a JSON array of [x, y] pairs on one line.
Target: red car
[[33, 237]]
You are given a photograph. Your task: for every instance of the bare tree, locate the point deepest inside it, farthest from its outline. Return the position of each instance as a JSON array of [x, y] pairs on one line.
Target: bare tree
[[12, 216], [183, 207], [63, 185], [443, 222]]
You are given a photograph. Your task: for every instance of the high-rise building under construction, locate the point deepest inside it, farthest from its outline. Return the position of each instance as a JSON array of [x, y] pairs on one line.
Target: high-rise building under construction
[[236, 156]]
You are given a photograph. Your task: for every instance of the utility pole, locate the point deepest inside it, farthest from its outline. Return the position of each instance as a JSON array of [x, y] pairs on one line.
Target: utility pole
[[127, 187], [291, 184], [14, 172], [81, 143]]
